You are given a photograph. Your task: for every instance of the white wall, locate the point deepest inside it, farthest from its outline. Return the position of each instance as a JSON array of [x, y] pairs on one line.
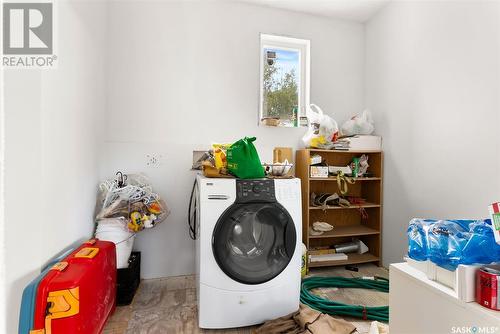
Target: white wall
[[184, 75], [432, 81], [54, 123]]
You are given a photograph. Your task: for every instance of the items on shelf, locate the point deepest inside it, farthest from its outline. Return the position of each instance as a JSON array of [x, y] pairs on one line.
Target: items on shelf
[[355, 215], [316, 159], [356, 143], [355, 246], [243, 160], [364, 143], [240, 159], [322, 226], [278, 169], [355, 134], [318, 171], [323, 130], [318, 228], [358, 167], [359, 125], [326, 200], [337, 252], [343, 181], [327, 257], [334, 170]]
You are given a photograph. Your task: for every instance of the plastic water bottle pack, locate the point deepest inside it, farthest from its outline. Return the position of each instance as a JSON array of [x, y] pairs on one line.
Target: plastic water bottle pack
[[449, 243]]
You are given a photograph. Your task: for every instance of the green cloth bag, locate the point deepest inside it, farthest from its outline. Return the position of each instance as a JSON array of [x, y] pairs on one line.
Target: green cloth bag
[[243, 160]]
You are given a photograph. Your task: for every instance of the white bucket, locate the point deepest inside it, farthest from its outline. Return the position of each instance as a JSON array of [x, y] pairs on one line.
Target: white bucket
[[115, 230]]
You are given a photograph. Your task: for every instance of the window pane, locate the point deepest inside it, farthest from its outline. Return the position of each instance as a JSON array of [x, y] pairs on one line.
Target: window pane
[[281, 85]]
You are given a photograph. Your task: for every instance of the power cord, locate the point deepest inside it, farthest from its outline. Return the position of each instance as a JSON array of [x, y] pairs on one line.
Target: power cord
[[192, 214]]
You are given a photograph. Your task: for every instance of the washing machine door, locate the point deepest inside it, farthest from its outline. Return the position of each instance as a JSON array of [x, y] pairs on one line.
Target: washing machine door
[[255, 238]]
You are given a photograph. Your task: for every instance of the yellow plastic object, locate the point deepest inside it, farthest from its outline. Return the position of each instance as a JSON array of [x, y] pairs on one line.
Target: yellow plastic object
[[220, 155], [154, 208], [303, 269], [87, 252], [136, 221], [318, 141], [59, 266], [63, 304], [37, 331]]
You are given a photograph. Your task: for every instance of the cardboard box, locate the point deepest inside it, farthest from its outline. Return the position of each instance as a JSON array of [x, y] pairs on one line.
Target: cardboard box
[[365, 143], [280, 154]]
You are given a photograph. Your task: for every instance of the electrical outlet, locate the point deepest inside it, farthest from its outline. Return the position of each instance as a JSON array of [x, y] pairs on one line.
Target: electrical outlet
[[154, 160]]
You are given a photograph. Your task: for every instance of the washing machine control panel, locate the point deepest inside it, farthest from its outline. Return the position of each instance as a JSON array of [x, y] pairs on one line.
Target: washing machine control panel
[[255, 191]]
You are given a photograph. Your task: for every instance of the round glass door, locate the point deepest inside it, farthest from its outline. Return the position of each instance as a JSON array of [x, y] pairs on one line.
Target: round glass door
[[254, 242]]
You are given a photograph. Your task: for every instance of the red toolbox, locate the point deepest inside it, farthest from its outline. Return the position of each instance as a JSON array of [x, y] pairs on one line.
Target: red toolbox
[[78, 294]]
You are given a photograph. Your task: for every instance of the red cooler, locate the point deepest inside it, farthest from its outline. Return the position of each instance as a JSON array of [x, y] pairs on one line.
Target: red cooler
[[78, 294]]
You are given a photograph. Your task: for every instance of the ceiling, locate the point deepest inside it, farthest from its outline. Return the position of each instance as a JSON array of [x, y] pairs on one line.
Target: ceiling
[[354, 10]]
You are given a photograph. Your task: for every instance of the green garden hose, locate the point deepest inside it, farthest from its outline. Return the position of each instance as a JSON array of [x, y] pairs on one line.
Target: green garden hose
[[380, 313]]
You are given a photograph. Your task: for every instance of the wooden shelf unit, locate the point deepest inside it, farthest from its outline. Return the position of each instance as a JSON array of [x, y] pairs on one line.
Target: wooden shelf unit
[[347, 221]]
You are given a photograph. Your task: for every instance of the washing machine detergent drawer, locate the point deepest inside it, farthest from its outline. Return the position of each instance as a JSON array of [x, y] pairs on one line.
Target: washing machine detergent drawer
[[227, 309]]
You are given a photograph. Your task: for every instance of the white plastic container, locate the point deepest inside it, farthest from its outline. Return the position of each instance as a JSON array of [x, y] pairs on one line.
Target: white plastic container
[[462, 280], [115, 230]]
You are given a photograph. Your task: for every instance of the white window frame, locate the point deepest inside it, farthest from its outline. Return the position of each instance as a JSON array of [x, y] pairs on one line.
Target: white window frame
[[294, 44]]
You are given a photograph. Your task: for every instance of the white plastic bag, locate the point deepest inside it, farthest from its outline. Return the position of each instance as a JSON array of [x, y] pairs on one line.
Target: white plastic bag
[[323, 130], [359, 125]]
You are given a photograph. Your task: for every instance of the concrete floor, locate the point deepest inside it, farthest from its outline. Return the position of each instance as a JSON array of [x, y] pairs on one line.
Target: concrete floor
[[168, 305]]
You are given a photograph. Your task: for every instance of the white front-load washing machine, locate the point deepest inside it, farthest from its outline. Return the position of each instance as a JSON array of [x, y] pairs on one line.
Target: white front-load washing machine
[[248, 242]]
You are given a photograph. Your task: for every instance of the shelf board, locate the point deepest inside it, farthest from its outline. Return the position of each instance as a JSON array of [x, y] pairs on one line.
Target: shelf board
[[335, 179], [366, 205], [343, 151], [351, 259], [346, 231]]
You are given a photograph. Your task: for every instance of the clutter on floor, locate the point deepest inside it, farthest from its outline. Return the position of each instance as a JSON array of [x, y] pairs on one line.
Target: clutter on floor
[[306, 321], [332, 307], [378, 328], [75, 292], [169, 305], [125, 206]]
